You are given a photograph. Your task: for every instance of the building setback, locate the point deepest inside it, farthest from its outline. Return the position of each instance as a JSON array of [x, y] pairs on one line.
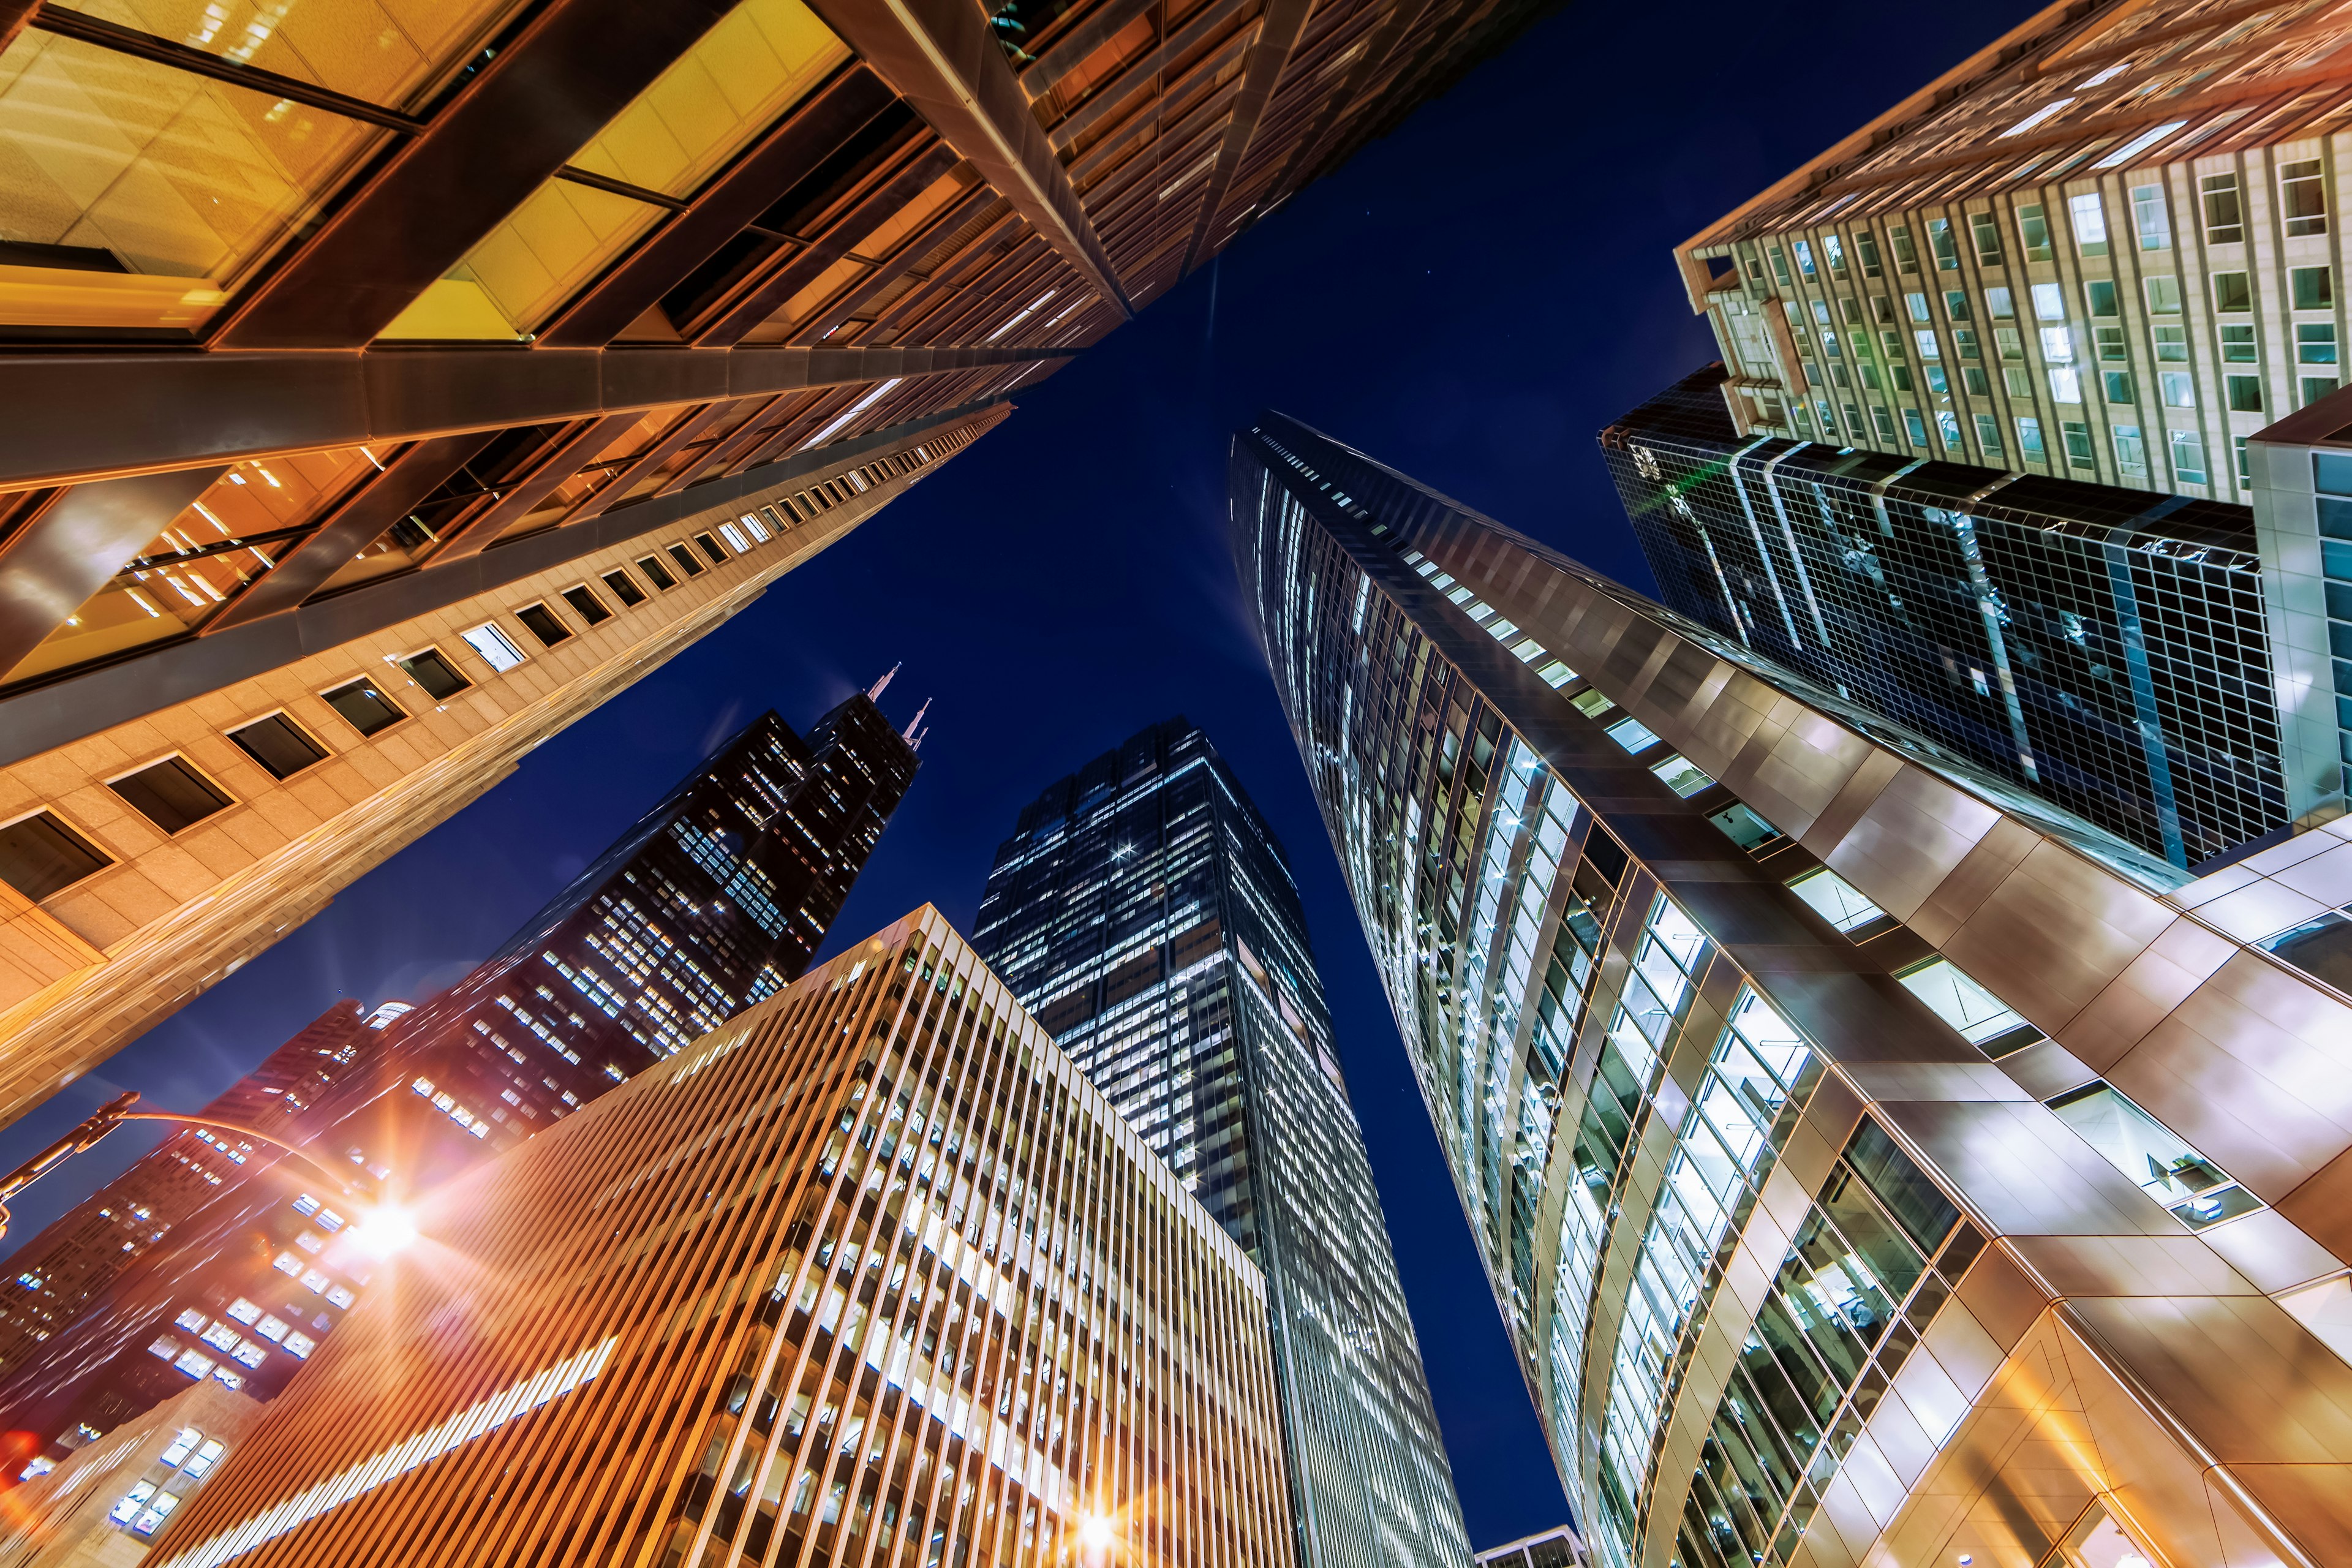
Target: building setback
[[871, 1273], [1871, 1162], [715, 899], [2110, 656], [1147, 914], [330, 494]]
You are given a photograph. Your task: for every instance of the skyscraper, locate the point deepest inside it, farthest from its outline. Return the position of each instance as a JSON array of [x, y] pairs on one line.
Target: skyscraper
[[2103, 247], [372, 420], [1873, 1162], [716, 898], [1148, 916], [103, 1506], [2109, 656], [871, 1274]]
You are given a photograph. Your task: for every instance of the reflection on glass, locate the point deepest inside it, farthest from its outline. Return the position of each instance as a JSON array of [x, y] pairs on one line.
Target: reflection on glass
[[1980, 1018], [390, 53], [2099, 1540], [1837, 901], [2166, 1168], [164, 187]]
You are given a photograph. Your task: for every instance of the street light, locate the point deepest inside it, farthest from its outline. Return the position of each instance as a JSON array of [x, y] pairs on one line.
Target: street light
[[381, 1228]]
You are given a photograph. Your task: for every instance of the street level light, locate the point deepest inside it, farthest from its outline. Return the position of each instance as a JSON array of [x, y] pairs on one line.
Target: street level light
[[381, 1228]]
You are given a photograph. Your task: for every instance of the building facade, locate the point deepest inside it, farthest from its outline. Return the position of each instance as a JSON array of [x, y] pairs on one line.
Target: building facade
[[102, 1508], [2103, 248], [1146, 915], [1557, 1548], [872, 1273], [2107, 654], [714, 900], [1873, 1163], [369, 423]]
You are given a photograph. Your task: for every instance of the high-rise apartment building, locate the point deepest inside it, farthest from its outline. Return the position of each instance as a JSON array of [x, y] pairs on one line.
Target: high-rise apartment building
[[715, 899], [1146, 915], [387, 393], [1874, 1164], [2104, 246], [871, 1274], [2109, 656]]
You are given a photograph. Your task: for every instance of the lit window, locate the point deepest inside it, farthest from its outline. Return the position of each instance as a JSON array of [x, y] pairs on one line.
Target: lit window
[[497, 649], [309, 1243], [248, 1353], [226, 1378], [271, 1328], [194, 1362], [1680, 775], [191, 1319], [330, 1221], [299, 1346], [220, 1336], [2090, 219], [182, 1445], [1743, 826], [2176, 1175], [1837, 901], [206, 1457], [734, 538], [40, 1465], [132, 1501], [165, 1348], [306, 1204], [1632, 734], [755, 528], [1981, 1018], [339, 1296], [1555, 675], [314, 1280]]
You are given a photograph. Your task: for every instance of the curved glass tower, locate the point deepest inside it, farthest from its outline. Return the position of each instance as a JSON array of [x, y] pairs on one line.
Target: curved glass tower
[[1873, 1163]]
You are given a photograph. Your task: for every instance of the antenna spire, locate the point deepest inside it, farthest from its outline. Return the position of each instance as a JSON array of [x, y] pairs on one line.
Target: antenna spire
[[909, 735], [874, 692]]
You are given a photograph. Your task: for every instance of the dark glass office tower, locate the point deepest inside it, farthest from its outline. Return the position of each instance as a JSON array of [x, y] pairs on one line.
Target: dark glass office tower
[[1144, 911], [717, 898], [1873, 1163], [2102, 647]]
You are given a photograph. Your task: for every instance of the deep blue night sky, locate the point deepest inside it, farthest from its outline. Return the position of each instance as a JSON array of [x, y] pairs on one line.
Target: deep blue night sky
[[1469, 301]]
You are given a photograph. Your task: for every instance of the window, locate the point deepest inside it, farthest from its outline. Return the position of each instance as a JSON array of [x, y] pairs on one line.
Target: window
[[586, 604], [244, 1312], [1780, 266], [1974, 379], [132, 1501], [1907, 259], [2314, 387], [364, 707], [194, 1362], [2163, 296], [1743, 826], [2225, 222], [1916, 304], [1956, 304], [2238, 344], [182, 1445], [2245, 463], [2099, 294], [2245, 394], [2303, 198], [1980, 1017], [170, 794], [206, 1456], [2065, 384], [2049, 302], [299, 1346], [191, 1319], [1884, 421], [2149, 219], [282, 747], [543, 623], [2314, 287], [2010, 342], [737, 542], [686, 561], [1989, 435], [711, 547], [623, 587], [435, 674], [2029, 437], [2189, 457], [1915, 427], [2000, 305], [2179, 389], [496, 649], [761, 532], [2315, 342], [1985, 230], [2077, 437], [1838, 901], [2131, 452], [271, 1326], [2233, 294], [1866, 244], [2116, 385], [2017, 380], [2034, 230], [1944, 244], [2058, 345], [2090, 220], [2111, 343], [2192, 1187], [1947, 425], [657, 574], [2171, 344], [1680, 775], [1632, 734], [249, 1354], [1926, 338]]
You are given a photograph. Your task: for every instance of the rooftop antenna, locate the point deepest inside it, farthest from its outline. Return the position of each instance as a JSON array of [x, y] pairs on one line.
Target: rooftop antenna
[[874, 692], [916, 744], [908, 735]]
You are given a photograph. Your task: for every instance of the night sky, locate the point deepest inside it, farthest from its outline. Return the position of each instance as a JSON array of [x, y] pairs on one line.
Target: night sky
[[1469, 301]]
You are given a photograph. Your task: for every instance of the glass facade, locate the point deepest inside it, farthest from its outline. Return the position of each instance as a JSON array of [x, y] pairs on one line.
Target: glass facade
[[1146, 915], [2109, 653], [1795, 1139]]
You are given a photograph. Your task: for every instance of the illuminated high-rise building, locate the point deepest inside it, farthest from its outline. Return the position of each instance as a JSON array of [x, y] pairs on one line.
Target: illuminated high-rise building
[[1146, 913], [1873, 1163], [102, 1507], [716, 898], [870, 1273], [388, 391]]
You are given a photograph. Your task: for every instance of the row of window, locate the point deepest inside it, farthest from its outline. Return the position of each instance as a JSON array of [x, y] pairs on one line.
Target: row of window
[[41, 853], [184, 1463]]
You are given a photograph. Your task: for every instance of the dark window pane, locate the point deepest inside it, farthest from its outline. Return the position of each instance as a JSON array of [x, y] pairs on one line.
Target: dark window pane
[[364, 708], [711, 547], [657, 574], [589, 607], [1901, 1185], [684, 558], [170, 794], [437, 675], [40, 856], [2323, 947], [624, 588], [279, 744], [544, 623]]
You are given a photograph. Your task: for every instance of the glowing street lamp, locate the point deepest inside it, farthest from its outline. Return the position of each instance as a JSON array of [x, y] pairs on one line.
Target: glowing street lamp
[[381, 1229]]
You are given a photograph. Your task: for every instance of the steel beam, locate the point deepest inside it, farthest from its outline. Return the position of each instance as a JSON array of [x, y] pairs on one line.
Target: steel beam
[[1073, 49], [558, 463], [1277, 35], [941, 57], [96, 416], [70, 547]]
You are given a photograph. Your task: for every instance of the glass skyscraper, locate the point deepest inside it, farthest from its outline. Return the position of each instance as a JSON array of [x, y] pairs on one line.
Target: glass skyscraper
[[1874, 1163], [1144, 911]]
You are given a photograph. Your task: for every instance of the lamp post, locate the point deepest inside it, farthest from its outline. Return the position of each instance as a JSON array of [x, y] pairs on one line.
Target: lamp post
[[389, 1229]]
